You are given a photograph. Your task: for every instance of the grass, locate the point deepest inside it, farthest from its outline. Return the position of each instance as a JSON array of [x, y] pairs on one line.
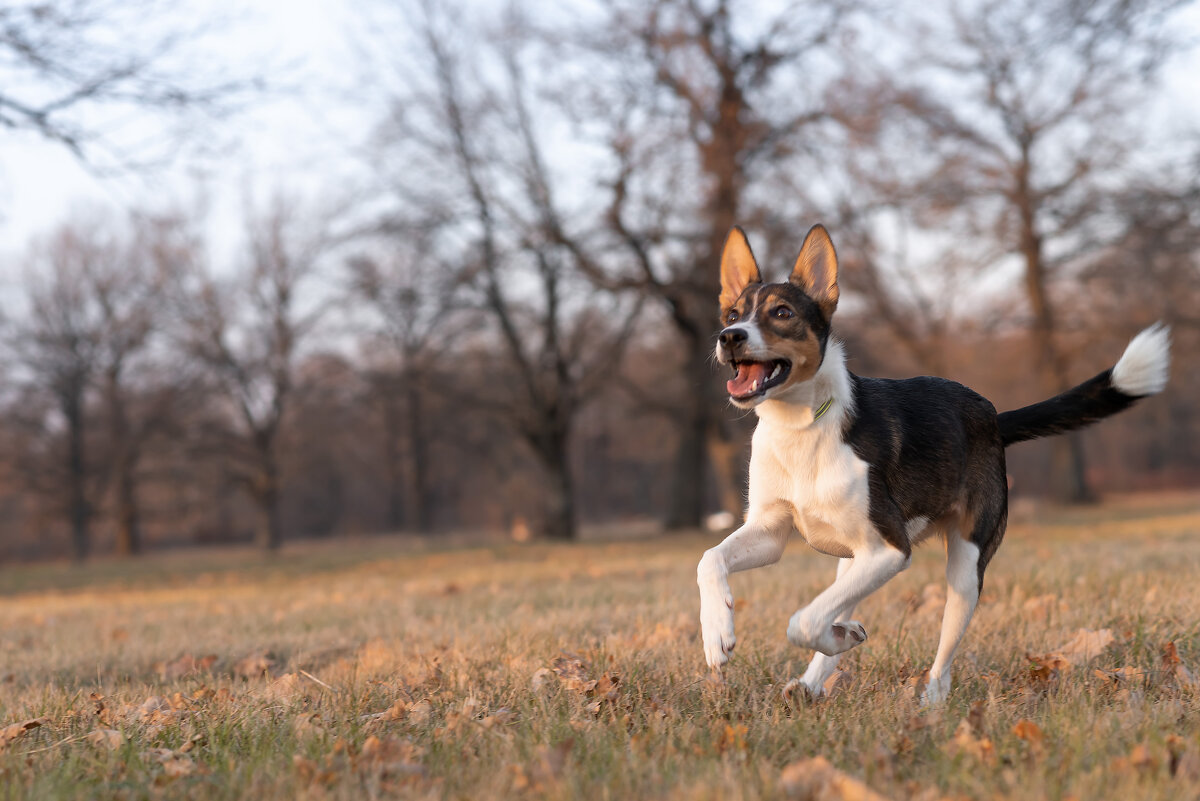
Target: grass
[[431, 674]]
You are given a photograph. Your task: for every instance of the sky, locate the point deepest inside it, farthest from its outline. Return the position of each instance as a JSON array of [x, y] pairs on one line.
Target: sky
[[299, 139], [302, 141]]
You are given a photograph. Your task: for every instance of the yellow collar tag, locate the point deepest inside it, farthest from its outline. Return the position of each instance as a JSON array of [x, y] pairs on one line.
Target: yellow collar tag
[[824, 408]]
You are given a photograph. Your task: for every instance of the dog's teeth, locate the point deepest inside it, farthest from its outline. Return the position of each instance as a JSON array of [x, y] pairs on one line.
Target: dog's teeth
[[754, 386], [775, 372]]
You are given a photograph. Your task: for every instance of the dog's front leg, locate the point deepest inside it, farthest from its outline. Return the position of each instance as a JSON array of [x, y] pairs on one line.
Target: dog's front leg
[[759, 542]]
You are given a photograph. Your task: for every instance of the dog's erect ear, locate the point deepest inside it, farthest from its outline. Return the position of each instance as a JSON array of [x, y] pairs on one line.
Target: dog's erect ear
[[816, 270], [738, 267]]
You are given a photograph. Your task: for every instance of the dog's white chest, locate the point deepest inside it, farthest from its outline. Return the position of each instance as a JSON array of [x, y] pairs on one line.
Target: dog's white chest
[[820, 477]]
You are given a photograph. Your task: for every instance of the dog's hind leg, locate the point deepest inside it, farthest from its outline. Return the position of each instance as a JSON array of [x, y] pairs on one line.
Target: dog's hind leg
[[818, 625], [822, 666], [962, 594]]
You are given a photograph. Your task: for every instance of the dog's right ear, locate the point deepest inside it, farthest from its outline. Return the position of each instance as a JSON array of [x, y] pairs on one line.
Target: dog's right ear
[[738, 267]]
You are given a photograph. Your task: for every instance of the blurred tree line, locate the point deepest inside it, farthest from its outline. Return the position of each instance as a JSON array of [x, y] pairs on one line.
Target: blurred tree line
[[513, 327]]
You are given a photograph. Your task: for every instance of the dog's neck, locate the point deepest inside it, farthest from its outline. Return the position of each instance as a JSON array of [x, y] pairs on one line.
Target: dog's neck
[[798, 407]]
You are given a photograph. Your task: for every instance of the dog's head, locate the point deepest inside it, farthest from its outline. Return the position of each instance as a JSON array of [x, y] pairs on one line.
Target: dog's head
[[774, 335]]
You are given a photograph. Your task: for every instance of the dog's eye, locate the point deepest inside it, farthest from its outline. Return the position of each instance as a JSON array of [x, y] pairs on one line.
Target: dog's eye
[[732, 317], [783, 313]]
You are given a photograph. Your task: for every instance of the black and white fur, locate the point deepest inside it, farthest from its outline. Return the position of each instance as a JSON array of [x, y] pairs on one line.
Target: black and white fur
[[889, 464]]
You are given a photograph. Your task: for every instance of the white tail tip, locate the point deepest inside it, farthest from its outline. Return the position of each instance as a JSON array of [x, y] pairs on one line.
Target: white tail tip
[[1142, 369]]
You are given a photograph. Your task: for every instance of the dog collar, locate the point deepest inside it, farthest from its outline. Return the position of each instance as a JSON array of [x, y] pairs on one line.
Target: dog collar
[[824, 408]]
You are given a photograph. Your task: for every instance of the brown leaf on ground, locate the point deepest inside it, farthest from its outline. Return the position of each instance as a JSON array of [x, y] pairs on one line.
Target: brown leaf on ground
[[931, 601], [1086, 645], [967, 741], [544, 771], [1039, 607], [175, 765], [286, 687], [572, 672], [155, 711], [184, 666], [420, 712], [541, 678], [1174, 668], [254, 666], [390, 757], [733, 738], [10, 733], [1028, 731], [816, 779], [1082, 648], [311, 772], [106, 738]]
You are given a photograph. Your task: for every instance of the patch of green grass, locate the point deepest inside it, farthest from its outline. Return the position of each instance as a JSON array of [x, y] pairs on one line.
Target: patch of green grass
[[429, 674]]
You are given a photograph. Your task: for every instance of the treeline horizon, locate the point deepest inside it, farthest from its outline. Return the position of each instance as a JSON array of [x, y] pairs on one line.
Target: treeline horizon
[[508, 326]]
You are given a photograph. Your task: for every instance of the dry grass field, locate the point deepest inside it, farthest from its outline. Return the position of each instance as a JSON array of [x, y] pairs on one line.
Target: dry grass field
[[378, 670]]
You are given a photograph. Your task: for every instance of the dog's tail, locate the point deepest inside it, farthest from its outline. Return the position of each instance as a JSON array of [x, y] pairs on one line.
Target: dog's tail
[[1141, 371]]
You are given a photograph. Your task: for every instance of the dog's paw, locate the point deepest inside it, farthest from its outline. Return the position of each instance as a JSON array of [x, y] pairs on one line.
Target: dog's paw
[[851, 632], [796, 693], [937, 690], [716, 627], [829, 639]]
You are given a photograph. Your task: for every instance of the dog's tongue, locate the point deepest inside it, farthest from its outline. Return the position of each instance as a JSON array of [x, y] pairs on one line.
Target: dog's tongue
[[748, 373]]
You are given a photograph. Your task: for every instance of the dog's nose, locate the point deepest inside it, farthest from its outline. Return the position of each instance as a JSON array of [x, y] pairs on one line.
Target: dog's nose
[[732, 337]]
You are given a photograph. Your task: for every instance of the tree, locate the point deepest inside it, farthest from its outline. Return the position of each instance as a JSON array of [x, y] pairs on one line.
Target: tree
[[69, 68], [477, 184], [699, 107], [247, 332], [1029, 116]]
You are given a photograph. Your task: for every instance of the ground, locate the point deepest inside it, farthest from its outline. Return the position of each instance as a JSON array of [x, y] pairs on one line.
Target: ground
[[381, 669]]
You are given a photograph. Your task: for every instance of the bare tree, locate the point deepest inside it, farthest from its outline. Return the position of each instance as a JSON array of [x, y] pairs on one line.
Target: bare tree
[[475, 173], [1028, 116], [56, 345], [699, 106], [247, 332], [411, 308], [69, 68]]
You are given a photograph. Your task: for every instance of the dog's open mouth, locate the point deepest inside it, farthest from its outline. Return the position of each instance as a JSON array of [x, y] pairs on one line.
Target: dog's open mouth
[[755, 378]]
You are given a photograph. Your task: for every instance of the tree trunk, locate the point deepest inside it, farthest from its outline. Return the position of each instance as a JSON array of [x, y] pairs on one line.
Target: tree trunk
[[418, 495], [129, 535], [269, 533], [558, 520], [688, 477], [79, 511], [1068, 482], [392, 460]]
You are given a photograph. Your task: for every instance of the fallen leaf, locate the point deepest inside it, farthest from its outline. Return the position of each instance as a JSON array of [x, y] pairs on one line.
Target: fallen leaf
[[967, 741], [184, 666], [573, 673], [106, 738], [541, 678], [10, 733], [1028, 731], [174, 764], [1086, 645], [254, 666], [733, 738], [1174, 668], [816, 779], [544, 770], [390, 757]]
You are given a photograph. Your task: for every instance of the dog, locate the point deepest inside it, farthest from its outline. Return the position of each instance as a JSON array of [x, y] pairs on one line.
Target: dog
[[865, 469]]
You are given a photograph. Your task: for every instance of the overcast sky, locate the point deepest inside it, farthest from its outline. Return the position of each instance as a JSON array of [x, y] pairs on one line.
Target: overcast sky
[[302, 141]]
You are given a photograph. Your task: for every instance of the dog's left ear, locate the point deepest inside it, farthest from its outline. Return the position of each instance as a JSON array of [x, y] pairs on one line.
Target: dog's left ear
[[816, 270]]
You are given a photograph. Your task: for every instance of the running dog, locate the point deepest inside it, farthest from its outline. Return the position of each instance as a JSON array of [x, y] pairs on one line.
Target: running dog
[[866, 468]]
